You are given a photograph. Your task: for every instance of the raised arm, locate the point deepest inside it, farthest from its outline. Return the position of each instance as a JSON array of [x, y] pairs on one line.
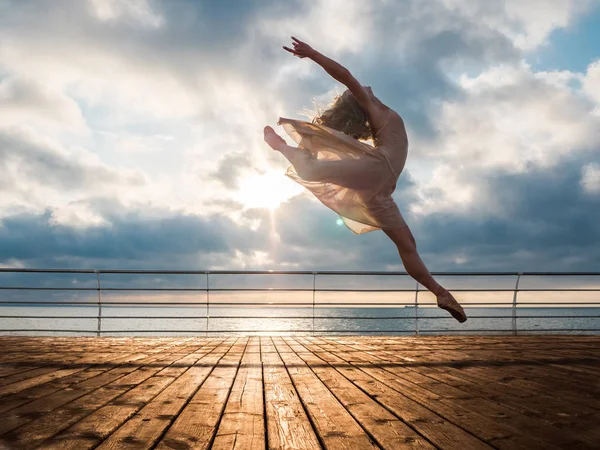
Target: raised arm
[[374, 110]]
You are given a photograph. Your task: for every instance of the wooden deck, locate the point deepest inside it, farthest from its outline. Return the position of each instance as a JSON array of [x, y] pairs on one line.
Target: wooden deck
[[455, 392]]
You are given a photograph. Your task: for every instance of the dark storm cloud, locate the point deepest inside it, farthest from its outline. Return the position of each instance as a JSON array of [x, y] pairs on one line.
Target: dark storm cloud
[[546, 221], [152, 239]]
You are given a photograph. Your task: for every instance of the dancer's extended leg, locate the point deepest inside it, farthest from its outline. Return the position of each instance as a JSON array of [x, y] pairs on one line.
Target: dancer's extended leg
[[348, 173], [407, 248]]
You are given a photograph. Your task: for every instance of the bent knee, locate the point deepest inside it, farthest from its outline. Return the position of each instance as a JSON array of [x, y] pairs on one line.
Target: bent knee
[[403, 238]]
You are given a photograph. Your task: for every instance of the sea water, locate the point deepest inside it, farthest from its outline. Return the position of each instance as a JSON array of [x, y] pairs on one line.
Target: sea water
[[198, 319]]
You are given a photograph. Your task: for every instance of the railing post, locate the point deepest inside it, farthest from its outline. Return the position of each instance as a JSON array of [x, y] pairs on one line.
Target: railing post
[[514, 305], [417, 310], [314, 290], [207, 303], [99, 329]]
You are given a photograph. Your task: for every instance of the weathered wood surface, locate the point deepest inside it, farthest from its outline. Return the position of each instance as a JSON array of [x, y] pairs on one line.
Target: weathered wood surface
[[300, 392]]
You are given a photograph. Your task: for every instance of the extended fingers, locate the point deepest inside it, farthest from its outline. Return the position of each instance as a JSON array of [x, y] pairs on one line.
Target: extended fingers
[[294, 52]]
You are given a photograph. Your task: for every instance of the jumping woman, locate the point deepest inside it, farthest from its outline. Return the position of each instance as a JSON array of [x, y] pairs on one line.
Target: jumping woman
[[353, 178]]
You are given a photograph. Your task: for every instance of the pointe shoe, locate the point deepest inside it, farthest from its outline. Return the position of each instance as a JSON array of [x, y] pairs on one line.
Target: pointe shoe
[[448, 303], [273, 139]]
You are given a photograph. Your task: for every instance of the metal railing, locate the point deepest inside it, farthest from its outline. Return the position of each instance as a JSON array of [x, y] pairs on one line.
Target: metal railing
[[312, 305]]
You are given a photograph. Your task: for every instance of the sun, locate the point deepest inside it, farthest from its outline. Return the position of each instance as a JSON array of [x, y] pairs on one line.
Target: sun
[[266, 190]]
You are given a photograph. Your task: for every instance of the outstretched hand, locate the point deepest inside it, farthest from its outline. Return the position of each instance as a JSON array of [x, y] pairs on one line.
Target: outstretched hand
[[301, 49]]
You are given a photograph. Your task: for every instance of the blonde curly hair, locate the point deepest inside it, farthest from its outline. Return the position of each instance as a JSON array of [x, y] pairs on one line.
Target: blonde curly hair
[[346, 115]]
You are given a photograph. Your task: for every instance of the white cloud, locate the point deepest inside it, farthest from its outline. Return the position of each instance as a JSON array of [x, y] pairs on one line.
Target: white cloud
[[337, 25], [39, 173], [28, 101], [526, 23], [591, 83], [138, 11], [511, 117], [590, 178], [507, 119]]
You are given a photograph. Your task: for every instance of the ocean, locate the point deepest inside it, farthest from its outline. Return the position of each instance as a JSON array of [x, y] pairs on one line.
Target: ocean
[[189, 320]]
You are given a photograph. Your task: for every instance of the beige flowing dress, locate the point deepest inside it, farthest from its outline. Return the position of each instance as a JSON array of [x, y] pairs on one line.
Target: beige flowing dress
[[354, 179]]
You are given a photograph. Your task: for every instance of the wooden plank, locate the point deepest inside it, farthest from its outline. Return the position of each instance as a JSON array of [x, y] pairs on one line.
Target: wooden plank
[[449, 398], [242, 425], [100, 389], [72, 353], [436, 429], [533, 391], [528, 375], [93, 429], [36, 392], [541, 405], [385, 428], [336, 428], [145, 428], [197, 423], [473, 413], [36, 409], [288, 426]]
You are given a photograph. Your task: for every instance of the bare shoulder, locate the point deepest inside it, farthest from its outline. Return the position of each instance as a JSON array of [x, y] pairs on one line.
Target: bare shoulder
[[397, 118], [389, 119]]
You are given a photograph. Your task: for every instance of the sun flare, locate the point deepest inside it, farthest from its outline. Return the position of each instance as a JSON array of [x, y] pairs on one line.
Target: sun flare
[[266, 190]]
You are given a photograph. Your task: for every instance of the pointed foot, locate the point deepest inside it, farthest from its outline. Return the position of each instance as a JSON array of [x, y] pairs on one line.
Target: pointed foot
[[447, 302], [273, 139]]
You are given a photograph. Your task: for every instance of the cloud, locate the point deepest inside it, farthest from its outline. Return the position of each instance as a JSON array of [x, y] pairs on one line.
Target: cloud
[[37, 171], [230, 168], [527, 24], [138, 11], [507, 118], [146, 239], [28, 101], [148, 124], [591, 83], [590, 178], [544, 221]]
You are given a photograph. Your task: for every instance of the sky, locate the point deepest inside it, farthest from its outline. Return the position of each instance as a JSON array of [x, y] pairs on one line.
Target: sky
[[131, 132]]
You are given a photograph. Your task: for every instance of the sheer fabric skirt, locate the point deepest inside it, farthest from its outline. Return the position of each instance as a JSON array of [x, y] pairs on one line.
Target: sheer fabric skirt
[[352, 178]]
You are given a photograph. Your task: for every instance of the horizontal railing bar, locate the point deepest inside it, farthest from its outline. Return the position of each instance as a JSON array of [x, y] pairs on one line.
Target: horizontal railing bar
[[557, 317], [22, 288], [307, 303], [282, 272], [301, 331], [215, 303], [293, 317], [518, 303], [23, 270], [520, 330], [25, 288], [558, 303], [28, 330], [296, 317], [223, 331], [387, 290], [104, 303]]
